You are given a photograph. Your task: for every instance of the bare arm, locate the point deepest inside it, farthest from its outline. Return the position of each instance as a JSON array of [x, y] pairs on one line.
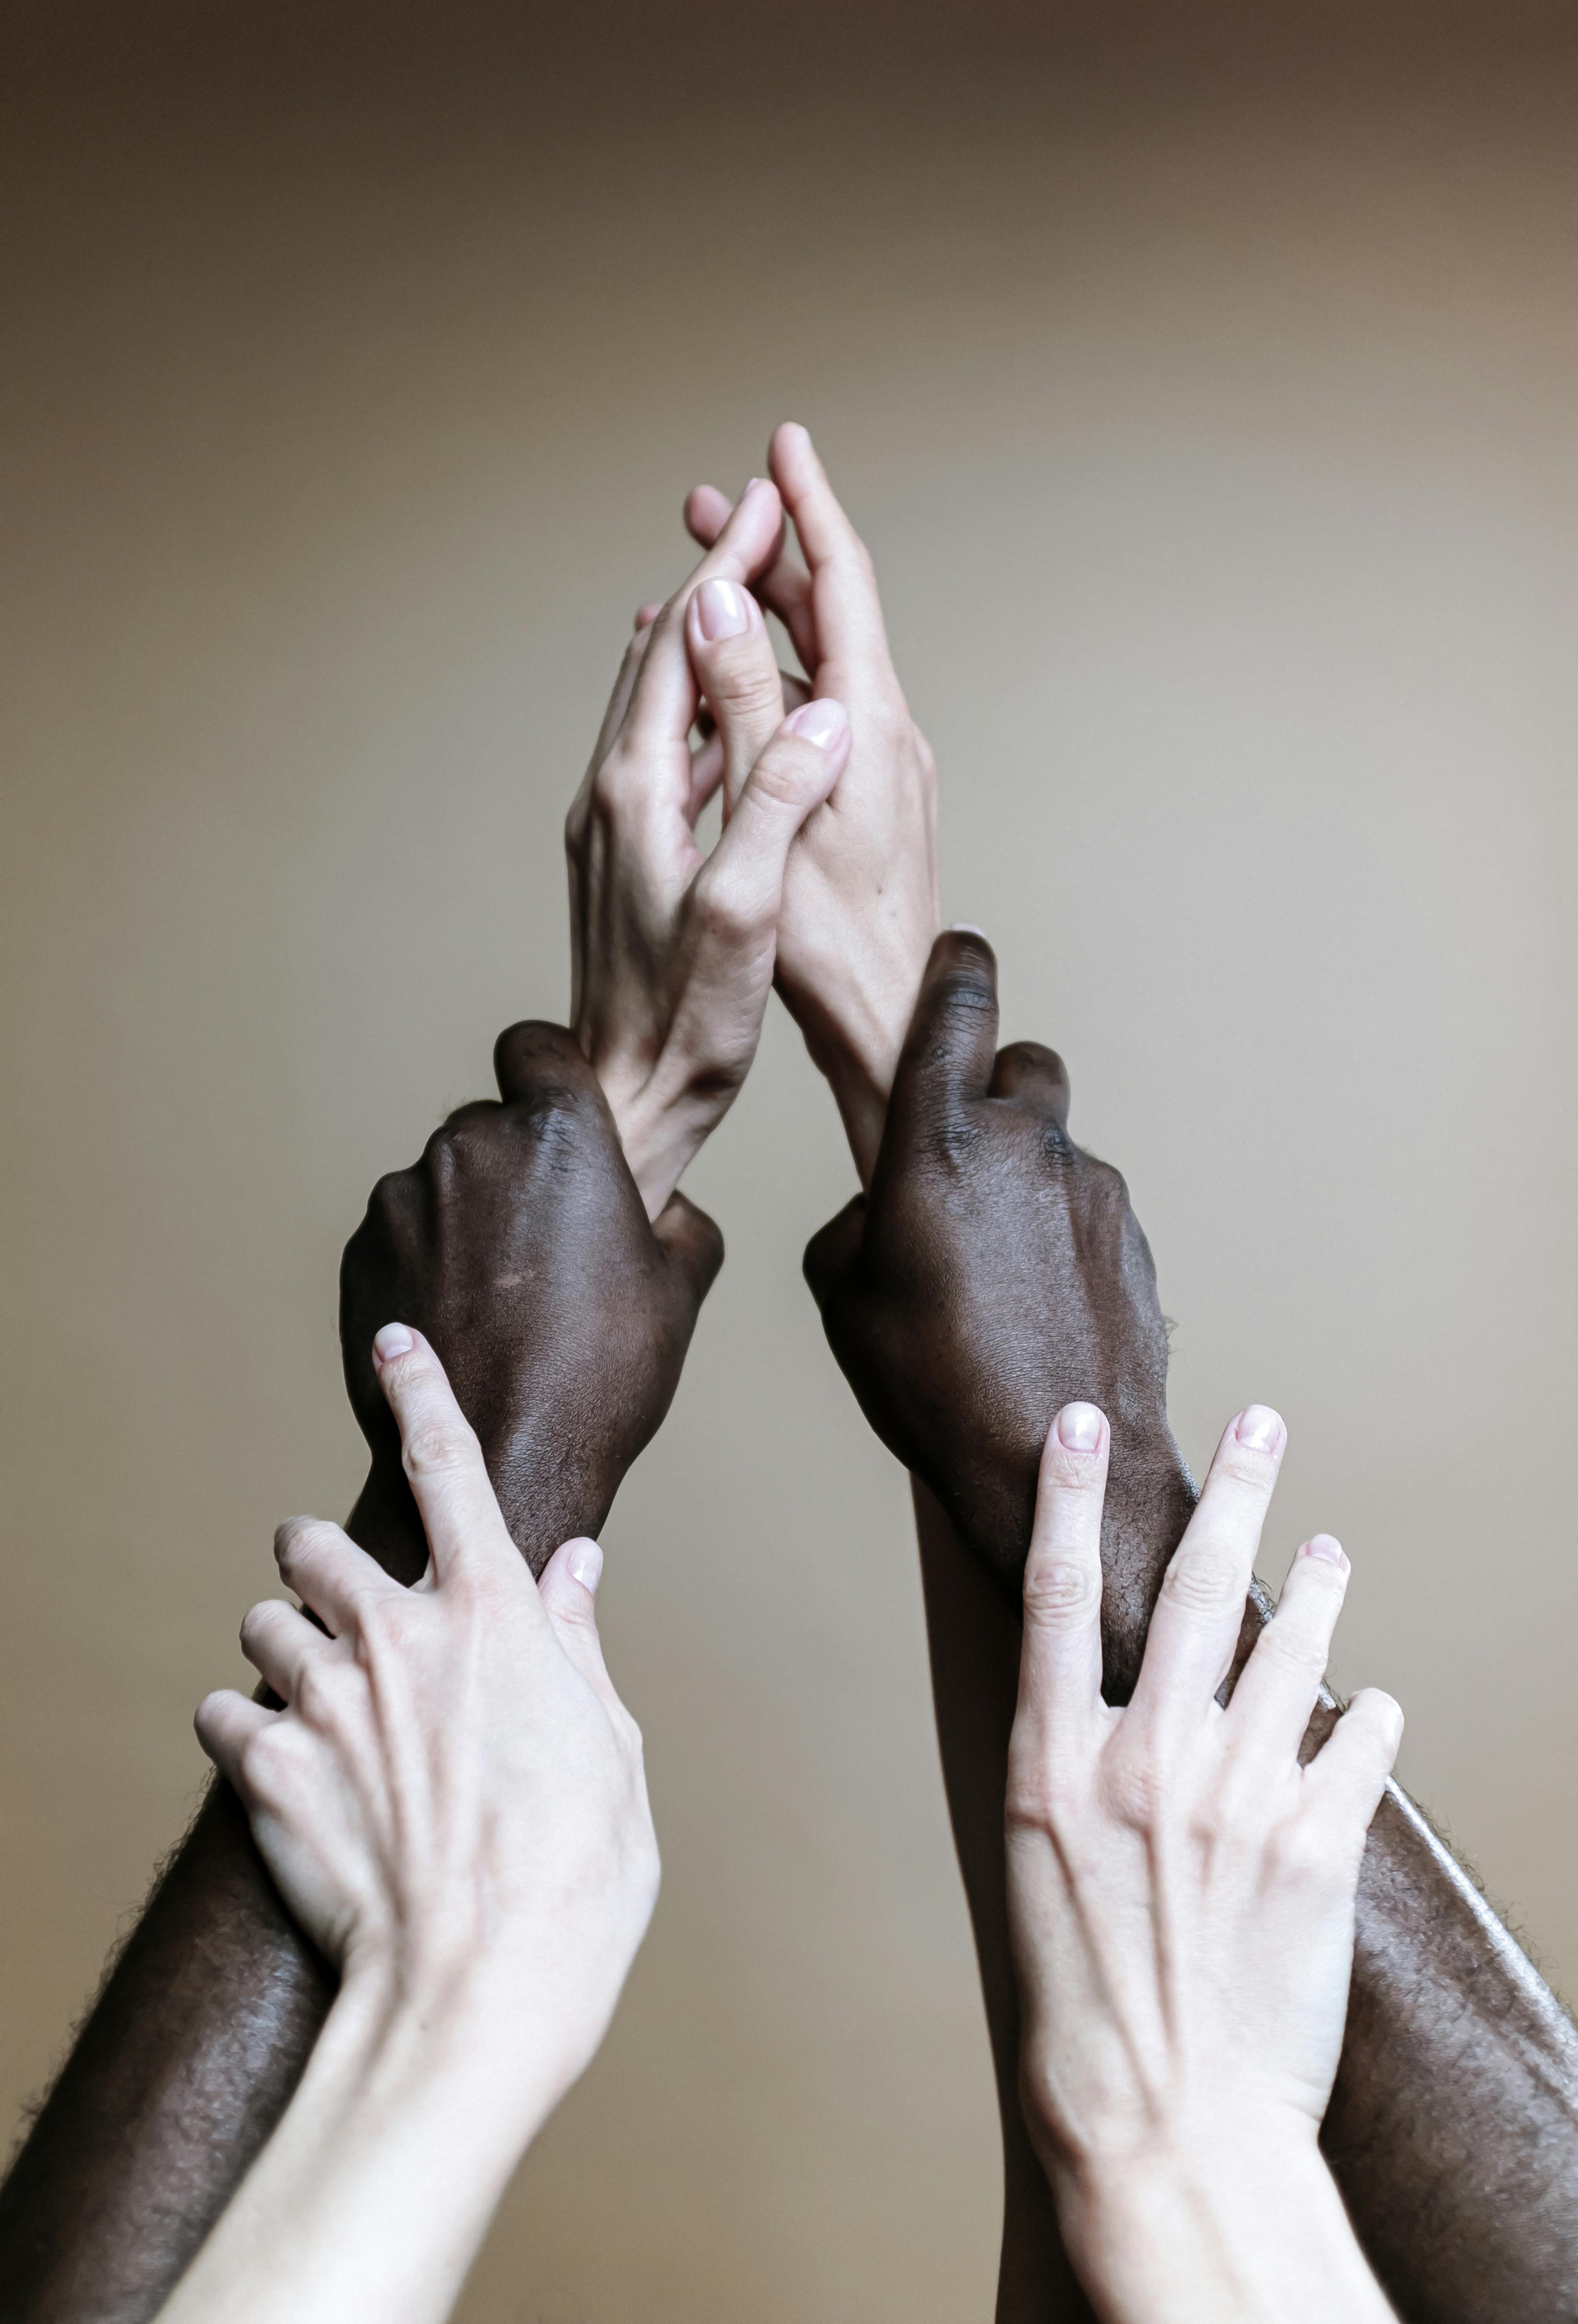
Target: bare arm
[[198, 2038], [993, 1274]]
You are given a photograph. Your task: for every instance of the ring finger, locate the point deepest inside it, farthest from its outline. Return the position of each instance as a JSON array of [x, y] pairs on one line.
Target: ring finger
[[279, 1643]]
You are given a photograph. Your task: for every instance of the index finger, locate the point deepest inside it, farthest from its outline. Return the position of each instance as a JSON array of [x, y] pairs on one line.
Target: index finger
[[1059, 1666], [441, 1457]]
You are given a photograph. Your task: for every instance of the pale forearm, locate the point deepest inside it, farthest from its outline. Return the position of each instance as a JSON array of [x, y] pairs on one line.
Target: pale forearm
[[394, 2099], [1220, 2232]]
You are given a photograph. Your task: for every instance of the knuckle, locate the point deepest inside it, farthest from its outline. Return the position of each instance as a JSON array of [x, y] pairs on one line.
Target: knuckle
[[1297, 1652], [742, 682], [299, 1540], [1136, 1790], [788, 773], [436, 1448], [1204, 1581], [1301, 1856], [266, 1764], [258, 1621], [1060, 1592], [725, 913]]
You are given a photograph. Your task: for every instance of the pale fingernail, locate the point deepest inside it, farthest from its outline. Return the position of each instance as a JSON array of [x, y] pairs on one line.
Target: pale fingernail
[[967, 928], [1329, 1549], [1257, 1427], [586, 1565], [823, 722], [722, 610], [394, 1339], [1079, 1428]]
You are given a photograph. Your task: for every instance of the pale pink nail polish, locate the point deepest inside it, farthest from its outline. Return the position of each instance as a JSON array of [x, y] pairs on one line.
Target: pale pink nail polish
[[722, 610], [1258, 1427], [1329, 1549], [585, 1561], [1079, 1428], [394, 1339], [823, 723]]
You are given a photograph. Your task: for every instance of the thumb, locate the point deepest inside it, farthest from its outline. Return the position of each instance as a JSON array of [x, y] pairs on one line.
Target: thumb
[[567, 1588], [830, 1254], [950, 1049], [740, 887], [692, 1244]]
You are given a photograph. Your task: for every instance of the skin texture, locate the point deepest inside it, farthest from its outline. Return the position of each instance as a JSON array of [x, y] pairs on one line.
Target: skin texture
[[1165, 1861], [453, 1803], [860, 898], [993, 1274], [519, 1245], [672, 952]]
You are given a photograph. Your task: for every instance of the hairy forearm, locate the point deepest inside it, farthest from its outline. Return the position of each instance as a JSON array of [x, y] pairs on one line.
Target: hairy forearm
[[1453, 2130], [198, 2037]]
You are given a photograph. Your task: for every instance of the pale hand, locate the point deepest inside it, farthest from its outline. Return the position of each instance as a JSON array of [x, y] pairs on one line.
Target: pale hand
[[1182, 1894], [673, 951], [860, 904], [452, 1800]]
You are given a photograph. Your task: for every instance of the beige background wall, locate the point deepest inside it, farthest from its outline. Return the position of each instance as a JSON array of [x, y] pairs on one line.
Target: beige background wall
[[1206, 398]]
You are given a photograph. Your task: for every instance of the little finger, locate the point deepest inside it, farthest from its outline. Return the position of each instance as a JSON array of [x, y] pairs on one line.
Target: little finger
[[279, 1643], [1347, 1779]]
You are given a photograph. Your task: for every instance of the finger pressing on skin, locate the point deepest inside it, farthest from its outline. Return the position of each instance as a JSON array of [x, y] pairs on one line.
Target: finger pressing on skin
[[568, 1591], [951, 1049], [225, 1722], [785, 588], [441, 1457], [1279, 1686], [1347, 1780], [1196, 1624], [740, 887], [736, 668], [849, 623], [1025, 1069], [1059, 1670], [329, 1572], [279, 1643]]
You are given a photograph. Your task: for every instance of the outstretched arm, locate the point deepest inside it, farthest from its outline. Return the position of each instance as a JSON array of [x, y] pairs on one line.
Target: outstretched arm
[[520, 1246], [480, 1952], [995, 1273]]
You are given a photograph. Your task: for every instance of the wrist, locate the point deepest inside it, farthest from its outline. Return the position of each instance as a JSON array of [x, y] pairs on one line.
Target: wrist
[[1234, 2223], [448, 2042]]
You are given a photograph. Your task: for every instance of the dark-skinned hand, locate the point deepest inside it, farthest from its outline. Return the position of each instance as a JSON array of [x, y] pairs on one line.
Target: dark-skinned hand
[[994, 1273], [520, 1247]]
